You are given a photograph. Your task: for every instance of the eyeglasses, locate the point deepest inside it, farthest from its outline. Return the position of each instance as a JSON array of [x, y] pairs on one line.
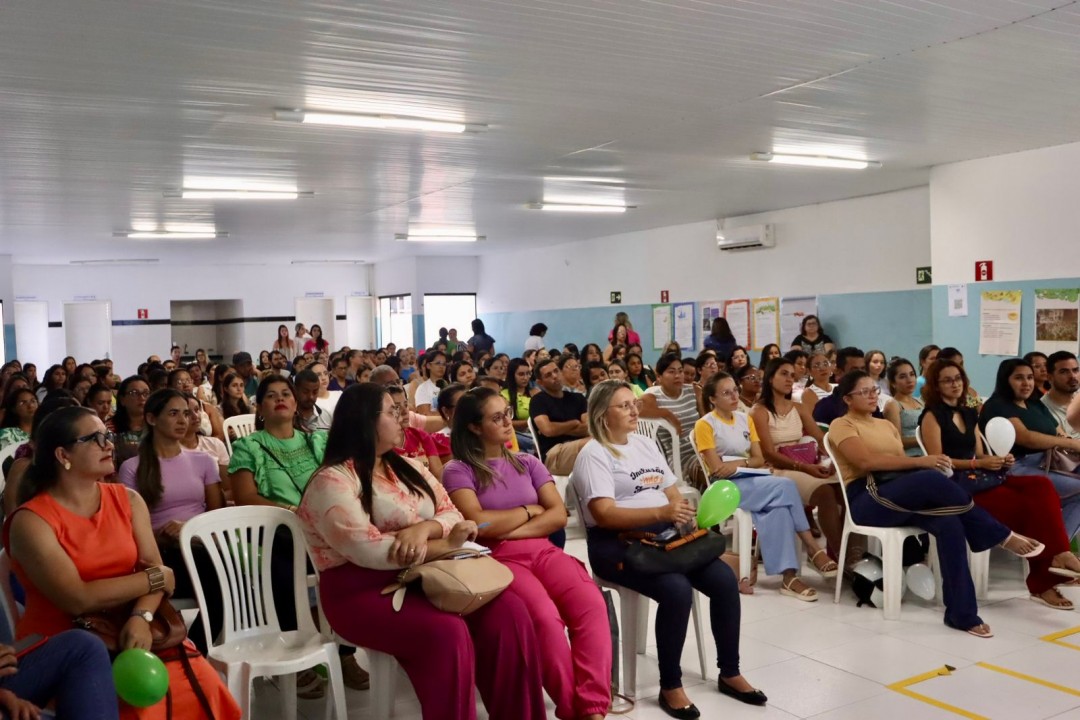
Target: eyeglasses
[[821, 365], [957, 380], [102, 439], [751, 377], [866, 392], [138, 393], [502, 418], [626, 406], [728, 393], [394, 412]]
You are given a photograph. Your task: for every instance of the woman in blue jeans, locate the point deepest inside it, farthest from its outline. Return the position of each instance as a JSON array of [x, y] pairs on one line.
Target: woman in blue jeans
[[625, 484], [1036, 432], [916, 491], [71, 668]]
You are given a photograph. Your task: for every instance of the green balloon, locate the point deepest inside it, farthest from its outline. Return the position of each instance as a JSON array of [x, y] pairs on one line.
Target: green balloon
[[140, 677], [718, 503]]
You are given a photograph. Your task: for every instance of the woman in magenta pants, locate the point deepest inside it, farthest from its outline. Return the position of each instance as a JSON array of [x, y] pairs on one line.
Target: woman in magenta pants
[[516, 505], [367, 513]]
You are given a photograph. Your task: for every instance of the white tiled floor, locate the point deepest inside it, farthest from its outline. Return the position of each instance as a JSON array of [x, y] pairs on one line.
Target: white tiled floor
[[834, 662]]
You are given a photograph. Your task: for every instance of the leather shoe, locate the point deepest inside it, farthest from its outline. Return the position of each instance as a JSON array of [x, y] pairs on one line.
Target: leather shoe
[[753, 697], [690, 712]]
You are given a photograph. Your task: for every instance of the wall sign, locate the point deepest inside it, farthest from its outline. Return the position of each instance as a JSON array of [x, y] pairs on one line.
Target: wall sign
[[922, 276], [143, 314], [663, 296], [616, 297], [984, 270]]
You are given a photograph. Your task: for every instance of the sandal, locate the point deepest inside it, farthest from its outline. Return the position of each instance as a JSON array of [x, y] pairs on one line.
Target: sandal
[[1066, 572], [1037, 548], [746, 587], [807, 594], [1063, 603], [980, 631], [828, 568]]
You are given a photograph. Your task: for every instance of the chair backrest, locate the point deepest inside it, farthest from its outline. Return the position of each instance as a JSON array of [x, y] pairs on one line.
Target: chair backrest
[[839, 475], [699, 456], [536, 442], [8, 606], [6, 454], [240, 541], [918, 439], [240, 425], [651, 427]]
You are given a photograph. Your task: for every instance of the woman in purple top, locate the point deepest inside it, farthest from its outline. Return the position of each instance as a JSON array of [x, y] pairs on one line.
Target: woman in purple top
[[513, 500], [177, 485]]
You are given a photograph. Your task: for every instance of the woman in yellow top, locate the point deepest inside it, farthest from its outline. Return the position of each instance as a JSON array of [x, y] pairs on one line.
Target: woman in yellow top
[[728, 443], [518, 392]]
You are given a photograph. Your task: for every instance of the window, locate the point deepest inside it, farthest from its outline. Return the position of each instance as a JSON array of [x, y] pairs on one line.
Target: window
[[448, 311], [395, 321]]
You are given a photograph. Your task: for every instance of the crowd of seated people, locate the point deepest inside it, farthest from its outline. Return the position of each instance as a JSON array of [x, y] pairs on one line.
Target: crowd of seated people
[[390, 456]]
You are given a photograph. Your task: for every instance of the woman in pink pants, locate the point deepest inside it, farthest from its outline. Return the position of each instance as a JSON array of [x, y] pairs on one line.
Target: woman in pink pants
[[367, 513], [517, 506]]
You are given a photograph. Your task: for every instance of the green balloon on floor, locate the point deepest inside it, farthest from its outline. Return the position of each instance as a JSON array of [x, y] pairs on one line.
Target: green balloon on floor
[[718, 503], [140, 677]]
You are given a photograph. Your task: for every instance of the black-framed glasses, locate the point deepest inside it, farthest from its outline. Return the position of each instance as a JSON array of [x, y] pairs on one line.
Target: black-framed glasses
[[138, 393], [102, 439]]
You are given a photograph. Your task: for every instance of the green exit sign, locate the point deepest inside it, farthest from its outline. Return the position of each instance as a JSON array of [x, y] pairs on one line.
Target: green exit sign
[[616, 297], [922, 275]]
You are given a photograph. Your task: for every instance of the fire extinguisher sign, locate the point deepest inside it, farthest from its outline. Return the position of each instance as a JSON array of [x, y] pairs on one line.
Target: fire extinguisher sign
[[984, 270]]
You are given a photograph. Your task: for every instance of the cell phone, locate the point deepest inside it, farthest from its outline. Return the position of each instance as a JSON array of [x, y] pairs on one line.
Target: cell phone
[[668, 534], [29, 644]]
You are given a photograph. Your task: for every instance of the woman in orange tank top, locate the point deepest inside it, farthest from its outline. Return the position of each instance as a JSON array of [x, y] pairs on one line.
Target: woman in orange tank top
[[80, 546]]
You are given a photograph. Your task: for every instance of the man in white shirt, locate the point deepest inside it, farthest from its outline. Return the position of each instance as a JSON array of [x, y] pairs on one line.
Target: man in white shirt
[[1064, 373]]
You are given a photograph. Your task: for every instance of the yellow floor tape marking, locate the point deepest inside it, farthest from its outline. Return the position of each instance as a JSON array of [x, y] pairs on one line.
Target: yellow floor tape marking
[[1055, 638], [902, 688], [1029, 678]]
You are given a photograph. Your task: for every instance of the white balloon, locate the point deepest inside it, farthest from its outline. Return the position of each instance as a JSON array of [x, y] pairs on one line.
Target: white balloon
[[1001, 435], [920, 580], [877, 598], [869, 568]]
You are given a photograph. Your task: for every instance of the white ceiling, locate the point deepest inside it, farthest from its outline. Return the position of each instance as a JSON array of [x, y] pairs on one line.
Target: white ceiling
[[105, 104]]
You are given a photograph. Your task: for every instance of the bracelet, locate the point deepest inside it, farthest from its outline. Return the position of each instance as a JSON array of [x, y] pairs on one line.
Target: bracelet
[[156, 577], [527, 513]]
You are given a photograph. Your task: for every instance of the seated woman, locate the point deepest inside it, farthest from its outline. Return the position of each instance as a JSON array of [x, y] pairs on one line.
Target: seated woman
[[727, 440], [367, 514], [1028, 503], [903, 410], [798, 360], [211, 446], [100, 399], [677, 403], [22, 458], [176, 486], [233, 402], [819, 384], [748, 383], [71, 670], [127, 423], [625, 484], [463, 372], [616, 370], [80, 546], [783, 422], [972, 399], [448, 398], [209, 417], [595, 373], [769, 352], [812, 336], [417, 444], [518, 393], [877, 368], [639, 373], [434, 370], [19, 409], [1036, 432], [915, 491], [515, 499], [738, 359]]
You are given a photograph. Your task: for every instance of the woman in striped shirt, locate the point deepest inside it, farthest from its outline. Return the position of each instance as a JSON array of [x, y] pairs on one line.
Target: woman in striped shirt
[[677, 403]]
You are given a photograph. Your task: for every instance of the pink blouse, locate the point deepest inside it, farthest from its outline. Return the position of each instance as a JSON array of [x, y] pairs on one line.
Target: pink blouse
[[339, 531]]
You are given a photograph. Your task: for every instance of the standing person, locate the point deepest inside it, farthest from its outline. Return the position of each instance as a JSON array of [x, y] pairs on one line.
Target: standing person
[[283, 343], [677, 403], [1064, 375], [317, 343], [535, 341], [368, 514], [621, 318], [515, 498], [720, 338], [812, 336], [917, 493], [876, 367], [302, 336], [624, 484], [904, 409], [480, 342], [620, 336]]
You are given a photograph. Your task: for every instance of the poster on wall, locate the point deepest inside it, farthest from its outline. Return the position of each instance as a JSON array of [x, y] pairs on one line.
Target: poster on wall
[[999, 322], [737, 313], [684, 325], [792, 312], [709, 311], [661, 326], [1057, 320], [766, 322]]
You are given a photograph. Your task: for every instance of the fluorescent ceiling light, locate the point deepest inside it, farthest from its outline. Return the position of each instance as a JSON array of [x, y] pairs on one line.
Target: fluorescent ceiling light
[[327, 262], [378, 122], [116, 261], [189, 194], [579, 207], [596, 179], [170, 234], [823, 161], [414, 236]]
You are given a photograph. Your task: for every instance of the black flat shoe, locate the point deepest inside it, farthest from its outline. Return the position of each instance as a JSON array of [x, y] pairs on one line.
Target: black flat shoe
[[753, 697], [690, 712]]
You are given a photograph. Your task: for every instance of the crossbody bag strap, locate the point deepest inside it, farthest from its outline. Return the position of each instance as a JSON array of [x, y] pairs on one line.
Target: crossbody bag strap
[[281, 465], [871, 487]]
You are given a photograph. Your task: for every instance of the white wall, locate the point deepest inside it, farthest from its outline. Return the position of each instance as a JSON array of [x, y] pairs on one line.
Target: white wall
[[262, 291], [1019, 210], [864, 244]]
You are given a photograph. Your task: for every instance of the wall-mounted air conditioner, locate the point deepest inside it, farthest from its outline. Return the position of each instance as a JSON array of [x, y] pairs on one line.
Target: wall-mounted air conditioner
[[749, 237]]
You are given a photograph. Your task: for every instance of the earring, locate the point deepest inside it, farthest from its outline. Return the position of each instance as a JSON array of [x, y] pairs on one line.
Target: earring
[[67, 465]]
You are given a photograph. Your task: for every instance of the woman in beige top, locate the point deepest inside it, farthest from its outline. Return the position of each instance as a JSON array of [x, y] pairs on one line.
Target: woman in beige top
[[787, 423]]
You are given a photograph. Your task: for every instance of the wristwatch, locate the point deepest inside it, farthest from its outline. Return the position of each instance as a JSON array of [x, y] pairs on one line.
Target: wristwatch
[[144, 614]]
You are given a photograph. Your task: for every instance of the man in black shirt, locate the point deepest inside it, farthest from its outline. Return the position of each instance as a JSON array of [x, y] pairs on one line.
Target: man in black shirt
[[559, 417]]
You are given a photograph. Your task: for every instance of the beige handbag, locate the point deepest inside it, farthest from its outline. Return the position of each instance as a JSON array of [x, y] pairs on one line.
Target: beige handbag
[[460, 581]]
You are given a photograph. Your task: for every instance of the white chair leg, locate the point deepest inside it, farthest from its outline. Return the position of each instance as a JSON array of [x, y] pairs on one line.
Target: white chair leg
[[288, 696], [699, 630], [239, 683], [893, 561], [335, 704], [744, 530], [935, 567], [843, 555], [383, 675], [629, 608], [642, 634]]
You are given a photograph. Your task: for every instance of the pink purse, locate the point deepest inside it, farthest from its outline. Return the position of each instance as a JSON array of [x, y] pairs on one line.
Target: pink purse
[[806, 453]]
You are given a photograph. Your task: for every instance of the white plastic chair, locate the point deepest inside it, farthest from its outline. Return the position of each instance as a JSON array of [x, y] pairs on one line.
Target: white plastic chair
[[742, 535], [892, 547], [241, 426], [650, 427], [634, 625], [978, 562], [252, 643], [536, 443]]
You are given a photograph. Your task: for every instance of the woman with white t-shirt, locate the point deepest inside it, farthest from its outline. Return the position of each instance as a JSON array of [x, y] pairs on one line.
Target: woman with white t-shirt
[[728, 441], [624, 484], [435, 367]]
